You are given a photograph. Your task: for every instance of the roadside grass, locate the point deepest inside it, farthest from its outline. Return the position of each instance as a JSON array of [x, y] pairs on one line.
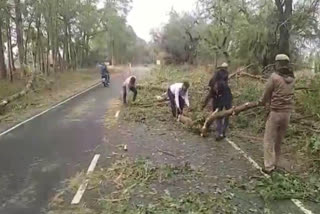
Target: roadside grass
[[302, 143], [7, 88], [149, 110], [141, 186], [46, 91], [285, 186]]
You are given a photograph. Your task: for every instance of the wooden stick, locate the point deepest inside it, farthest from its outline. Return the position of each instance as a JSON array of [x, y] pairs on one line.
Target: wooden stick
[[253, 76], [150, 87], [239, 71], [226, 113], [165, 152], [185, 120], [305, 88]]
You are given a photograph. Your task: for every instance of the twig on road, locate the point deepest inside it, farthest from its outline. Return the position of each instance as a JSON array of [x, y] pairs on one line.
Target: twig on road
[[165, 152]]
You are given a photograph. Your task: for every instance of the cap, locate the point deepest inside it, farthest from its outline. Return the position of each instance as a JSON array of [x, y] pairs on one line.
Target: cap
[[282, 57], [224, 65]]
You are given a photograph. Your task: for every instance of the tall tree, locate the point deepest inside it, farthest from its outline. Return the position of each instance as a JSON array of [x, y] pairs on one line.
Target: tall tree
[[19, 32], [3, 69], [285, 13]]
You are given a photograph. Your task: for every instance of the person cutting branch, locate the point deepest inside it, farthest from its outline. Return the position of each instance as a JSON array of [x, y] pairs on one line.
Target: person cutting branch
[[178, 96]]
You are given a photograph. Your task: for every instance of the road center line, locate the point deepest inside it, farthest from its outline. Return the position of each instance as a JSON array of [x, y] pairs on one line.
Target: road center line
[[76, 199], [296, 202], [117, 114]]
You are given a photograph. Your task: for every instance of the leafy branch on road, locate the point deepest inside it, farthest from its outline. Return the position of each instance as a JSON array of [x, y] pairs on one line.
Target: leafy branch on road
[[140, 186]]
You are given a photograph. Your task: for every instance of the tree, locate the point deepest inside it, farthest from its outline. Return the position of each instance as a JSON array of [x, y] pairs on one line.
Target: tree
[[19, 32], [3, 69], [179, 38], [285, 13]]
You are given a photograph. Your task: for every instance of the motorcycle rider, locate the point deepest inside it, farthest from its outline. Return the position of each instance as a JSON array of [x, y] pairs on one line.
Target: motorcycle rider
[[104, 72]]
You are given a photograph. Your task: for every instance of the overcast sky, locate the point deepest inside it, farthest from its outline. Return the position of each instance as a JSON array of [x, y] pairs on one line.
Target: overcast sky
[[148, 14]]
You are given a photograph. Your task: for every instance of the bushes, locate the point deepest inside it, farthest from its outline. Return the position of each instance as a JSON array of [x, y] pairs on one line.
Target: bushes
[[308, 101]]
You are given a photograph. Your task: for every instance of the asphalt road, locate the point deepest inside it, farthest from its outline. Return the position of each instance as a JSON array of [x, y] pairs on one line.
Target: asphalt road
[[37, 156]]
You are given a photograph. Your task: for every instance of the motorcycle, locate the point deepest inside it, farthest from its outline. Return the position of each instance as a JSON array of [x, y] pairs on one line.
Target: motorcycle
[[105, 80]]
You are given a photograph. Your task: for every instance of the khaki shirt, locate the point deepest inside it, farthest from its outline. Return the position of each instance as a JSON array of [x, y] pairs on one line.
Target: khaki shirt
[[278, 93]]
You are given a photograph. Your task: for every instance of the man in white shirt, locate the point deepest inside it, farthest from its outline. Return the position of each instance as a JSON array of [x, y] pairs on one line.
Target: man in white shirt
[[178, 96], [129, 84]]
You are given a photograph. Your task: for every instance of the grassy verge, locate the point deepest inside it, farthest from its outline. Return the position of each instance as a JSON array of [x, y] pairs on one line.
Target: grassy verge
[[302, 143], [7, 88], [46, 92], [148, 109], [140, 186]]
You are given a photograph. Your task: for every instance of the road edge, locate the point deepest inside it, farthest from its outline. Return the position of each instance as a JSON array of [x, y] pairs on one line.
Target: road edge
[[71, 97]]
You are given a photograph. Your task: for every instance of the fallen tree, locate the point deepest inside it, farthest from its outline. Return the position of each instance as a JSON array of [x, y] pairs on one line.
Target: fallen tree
[[215, 116], [226, 113], [22, 93]]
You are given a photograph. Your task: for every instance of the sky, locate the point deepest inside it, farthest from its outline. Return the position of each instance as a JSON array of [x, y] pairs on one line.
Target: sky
[[149, 14]]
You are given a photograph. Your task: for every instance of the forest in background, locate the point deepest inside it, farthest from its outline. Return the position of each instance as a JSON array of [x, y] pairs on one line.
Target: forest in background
[[242, 32], [59, 35]]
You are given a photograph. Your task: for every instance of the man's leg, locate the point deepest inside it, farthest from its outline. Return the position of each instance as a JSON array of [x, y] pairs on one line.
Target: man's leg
[[182, 104], [135, 92], [226, 122], [269, 141], [219, 129], [283, 126], [108, 78], [172, 103], [124, 94]]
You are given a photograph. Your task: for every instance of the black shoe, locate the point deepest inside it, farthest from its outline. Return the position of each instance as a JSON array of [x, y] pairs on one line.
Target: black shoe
[[281, 170], [219, 137], [268, 172]]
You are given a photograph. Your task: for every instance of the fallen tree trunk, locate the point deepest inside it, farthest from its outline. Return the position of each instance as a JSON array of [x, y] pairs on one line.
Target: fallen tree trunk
[[19, 94], [226, 113]]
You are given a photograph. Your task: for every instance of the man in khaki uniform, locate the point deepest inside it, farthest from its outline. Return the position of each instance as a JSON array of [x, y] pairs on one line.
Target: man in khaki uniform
[[278, 98]]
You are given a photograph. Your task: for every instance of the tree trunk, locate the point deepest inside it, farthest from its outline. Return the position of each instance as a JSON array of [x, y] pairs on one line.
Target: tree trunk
[[48, 54], [26, 43], [38, 43], [19, 32], [285, 13], [10, 59], [3, 69], [66, 55]]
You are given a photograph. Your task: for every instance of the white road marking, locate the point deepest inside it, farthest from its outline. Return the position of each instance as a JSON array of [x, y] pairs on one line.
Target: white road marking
[[49, 109], [117, 114], [296, 202], [301, 206], [76, 199]]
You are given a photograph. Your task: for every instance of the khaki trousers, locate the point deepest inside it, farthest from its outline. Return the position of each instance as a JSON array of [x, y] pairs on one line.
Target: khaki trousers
[[276, 128]]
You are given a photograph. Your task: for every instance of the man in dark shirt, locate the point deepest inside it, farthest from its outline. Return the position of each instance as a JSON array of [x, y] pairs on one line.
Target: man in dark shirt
[[221, 96]]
